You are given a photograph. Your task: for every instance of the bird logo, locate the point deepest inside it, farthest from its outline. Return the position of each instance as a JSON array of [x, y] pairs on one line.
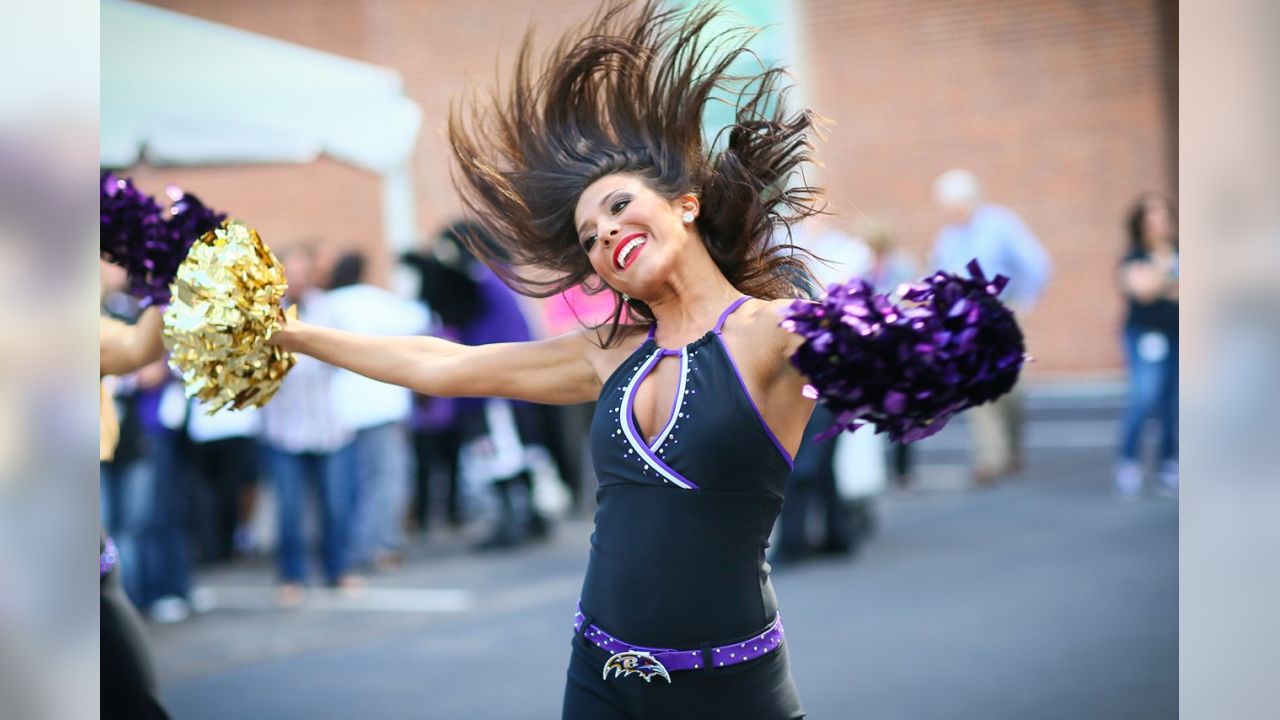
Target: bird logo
[[635, 662]]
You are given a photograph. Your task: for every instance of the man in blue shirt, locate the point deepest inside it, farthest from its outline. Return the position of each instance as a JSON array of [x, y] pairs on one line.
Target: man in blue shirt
[[1003, 245]]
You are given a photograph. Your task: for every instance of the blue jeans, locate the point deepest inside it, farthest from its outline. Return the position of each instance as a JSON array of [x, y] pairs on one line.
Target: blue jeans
[[143, 507], [126, 494], [332, 475], [1153, 392], [384, 462]]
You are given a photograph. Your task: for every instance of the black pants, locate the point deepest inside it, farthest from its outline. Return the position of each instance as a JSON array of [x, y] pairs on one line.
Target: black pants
[[436, 453], [761, 689], [228, 466], [128, 683], [814, 480]]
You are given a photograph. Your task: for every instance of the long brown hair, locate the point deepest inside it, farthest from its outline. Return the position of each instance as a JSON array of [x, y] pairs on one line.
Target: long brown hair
[[625, 92]]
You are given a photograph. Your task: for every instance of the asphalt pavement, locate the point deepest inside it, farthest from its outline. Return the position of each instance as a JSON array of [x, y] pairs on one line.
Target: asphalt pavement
[[1039, 598]]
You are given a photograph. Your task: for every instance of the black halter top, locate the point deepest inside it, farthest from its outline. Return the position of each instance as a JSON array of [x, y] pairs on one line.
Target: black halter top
[[682, 523]]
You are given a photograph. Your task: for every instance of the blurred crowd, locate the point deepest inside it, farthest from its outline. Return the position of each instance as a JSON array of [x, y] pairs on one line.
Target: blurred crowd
[[354, 467], [354, 464]]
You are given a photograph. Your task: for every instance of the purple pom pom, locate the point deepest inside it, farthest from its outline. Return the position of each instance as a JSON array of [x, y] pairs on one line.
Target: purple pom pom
[[147, 242], [907, 368], [131, 229]]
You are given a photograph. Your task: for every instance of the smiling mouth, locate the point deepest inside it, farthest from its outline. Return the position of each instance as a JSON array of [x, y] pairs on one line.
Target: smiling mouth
[[628, 251]]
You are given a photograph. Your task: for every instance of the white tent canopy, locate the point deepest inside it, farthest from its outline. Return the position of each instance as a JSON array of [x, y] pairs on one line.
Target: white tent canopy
[[178, 90]]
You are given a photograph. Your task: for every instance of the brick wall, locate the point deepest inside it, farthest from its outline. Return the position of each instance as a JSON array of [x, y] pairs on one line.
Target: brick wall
[[1059, 107], [1062, 108]]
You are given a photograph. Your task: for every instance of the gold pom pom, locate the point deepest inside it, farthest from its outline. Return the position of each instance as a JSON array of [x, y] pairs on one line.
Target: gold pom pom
[[225, 306]]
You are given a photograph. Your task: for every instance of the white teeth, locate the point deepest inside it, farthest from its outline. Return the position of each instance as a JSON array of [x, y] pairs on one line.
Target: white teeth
[[627, 249]]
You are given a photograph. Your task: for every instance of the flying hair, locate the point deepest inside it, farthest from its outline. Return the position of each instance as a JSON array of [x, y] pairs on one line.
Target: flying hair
[[625, 91]]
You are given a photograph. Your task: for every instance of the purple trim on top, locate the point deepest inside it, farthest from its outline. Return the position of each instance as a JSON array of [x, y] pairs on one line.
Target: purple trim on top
[[677, 402], [653, 328], [791, 463], [674, 660], [727, 312], [633, 434]]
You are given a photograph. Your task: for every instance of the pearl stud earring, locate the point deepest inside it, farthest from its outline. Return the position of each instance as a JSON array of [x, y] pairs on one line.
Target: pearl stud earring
[[688, 218]]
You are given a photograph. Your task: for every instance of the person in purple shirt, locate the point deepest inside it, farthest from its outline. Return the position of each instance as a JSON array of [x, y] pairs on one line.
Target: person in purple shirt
[[480, 309], [1004, 245]]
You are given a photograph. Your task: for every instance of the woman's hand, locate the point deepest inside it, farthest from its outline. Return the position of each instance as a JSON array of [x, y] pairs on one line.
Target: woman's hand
[[287, 337]]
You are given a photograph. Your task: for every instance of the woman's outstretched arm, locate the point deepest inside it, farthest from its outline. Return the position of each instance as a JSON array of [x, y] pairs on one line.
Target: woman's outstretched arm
[[559, 370], [124, 348]]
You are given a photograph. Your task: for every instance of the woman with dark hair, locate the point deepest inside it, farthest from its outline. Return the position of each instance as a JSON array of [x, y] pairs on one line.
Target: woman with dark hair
[[595, 169], [1149, 281]]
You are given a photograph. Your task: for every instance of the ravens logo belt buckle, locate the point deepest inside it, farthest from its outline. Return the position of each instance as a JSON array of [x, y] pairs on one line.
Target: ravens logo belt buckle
[[635, 662]]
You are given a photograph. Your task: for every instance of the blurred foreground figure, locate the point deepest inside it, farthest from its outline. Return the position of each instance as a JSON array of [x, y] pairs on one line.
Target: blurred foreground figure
[[128, 683], [1149, 282], [1004, 246]]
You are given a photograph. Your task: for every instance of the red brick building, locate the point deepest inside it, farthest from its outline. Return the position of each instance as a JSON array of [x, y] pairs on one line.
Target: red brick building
[[1065, 108]]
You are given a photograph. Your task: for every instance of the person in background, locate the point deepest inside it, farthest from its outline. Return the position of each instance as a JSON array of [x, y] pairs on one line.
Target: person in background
[[567, 312], [813, 478], [309, 444], [889, 268], [449, 292], [224, 454], [1001, 242], [478, 309], [376, 412], [1149, 283]]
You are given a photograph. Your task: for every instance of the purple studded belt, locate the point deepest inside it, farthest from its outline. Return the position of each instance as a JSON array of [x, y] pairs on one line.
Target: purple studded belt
[[108, 557], [626, 659]]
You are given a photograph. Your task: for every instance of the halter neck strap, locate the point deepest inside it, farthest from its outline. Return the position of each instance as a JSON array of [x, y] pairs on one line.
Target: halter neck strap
[[653, 327], [729, 311]]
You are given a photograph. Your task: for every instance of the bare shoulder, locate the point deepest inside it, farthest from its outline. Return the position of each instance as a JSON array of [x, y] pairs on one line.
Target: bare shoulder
[[764, 325], [605, 359]]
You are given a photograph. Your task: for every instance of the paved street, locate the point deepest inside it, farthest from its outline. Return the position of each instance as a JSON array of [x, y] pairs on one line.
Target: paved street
[[1040, 598]]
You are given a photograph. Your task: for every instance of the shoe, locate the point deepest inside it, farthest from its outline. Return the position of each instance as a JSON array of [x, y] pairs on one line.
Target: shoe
[[202, 600], [1168, 486], [168, 610], [291, 596], [1128, 481], [350, 584], [497, 541], [386, 561], [984, 478], [539, 527]]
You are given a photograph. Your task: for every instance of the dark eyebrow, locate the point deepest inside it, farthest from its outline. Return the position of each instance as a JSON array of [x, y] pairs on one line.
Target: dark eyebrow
[[603, 202]]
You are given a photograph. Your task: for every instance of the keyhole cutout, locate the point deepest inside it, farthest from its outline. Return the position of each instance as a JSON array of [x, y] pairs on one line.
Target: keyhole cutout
[[655, 402]]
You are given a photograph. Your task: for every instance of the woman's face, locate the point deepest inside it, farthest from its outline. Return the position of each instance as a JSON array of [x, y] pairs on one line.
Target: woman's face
[[1158, 224], [632, 235]]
